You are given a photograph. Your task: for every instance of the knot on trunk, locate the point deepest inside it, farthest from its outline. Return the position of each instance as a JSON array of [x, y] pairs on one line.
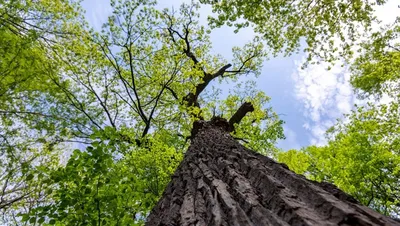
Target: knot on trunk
[[224, 124], [221, 123], [215, 122]]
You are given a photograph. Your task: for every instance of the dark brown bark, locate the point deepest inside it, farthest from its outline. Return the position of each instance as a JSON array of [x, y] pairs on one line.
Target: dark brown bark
[[239, 114], [220, 182]]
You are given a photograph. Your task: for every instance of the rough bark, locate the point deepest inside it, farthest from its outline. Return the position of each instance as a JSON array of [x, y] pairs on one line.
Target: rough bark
[[220, 182]]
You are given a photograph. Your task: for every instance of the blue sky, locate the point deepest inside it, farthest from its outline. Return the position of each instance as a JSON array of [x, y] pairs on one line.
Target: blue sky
[[309, 100]]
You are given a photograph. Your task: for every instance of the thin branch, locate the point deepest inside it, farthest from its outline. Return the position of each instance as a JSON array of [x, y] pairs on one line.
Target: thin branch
[[103, 104], [133, 80], [172, 92], [10, 202], [75, 102], [27, 112], [192, 97], [240, 70], [157, 101], [241, 139]]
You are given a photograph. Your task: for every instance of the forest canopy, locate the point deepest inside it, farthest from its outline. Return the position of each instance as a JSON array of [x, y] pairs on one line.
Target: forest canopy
[[93, 123]]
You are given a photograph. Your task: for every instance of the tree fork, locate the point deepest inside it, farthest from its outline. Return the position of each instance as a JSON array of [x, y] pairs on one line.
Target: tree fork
[[220, 182]]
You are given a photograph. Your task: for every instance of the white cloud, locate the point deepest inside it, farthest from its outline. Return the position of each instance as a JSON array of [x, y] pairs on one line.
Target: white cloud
[[327, 95], [387, 13]]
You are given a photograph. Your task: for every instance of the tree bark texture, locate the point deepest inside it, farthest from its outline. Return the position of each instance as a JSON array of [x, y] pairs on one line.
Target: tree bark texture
[[220, 182]]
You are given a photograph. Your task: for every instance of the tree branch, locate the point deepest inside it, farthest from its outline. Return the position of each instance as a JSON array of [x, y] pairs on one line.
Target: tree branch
[[191, 98], [239, 114], [134, 84], [114, 62]]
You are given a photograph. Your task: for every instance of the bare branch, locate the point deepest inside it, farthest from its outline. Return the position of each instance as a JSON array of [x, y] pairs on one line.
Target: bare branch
[[164, 86], [192, 97], [240, 70], [185, 37], [114, 63], [239, 114], [144, 117]]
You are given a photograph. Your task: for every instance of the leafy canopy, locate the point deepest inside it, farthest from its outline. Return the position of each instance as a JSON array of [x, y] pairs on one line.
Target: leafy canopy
[[362, 157]]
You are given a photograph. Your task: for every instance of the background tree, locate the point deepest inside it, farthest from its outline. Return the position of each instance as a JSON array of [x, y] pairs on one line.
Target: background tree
[[375, 71], [28, 132], [329, 28], [361, 157], [362, 154]]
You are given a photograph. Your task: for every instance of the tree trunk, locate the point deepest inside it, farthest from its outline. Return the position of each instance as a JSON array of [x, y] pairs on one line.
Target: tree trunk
[[220, 182]]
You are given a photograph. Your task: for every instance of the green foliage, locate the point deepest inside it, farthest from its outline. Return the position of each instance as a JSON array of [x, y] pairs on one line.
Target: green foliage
[[23, 175], [99, 187], [30, 127], [376, 70], [329, 28], [362, 157]]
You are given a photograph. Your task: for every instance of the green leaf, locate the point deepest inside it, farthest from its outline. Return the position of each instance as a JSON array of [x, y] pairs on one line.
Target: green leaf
[[32, 220], [41, 220], [29, 177]]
